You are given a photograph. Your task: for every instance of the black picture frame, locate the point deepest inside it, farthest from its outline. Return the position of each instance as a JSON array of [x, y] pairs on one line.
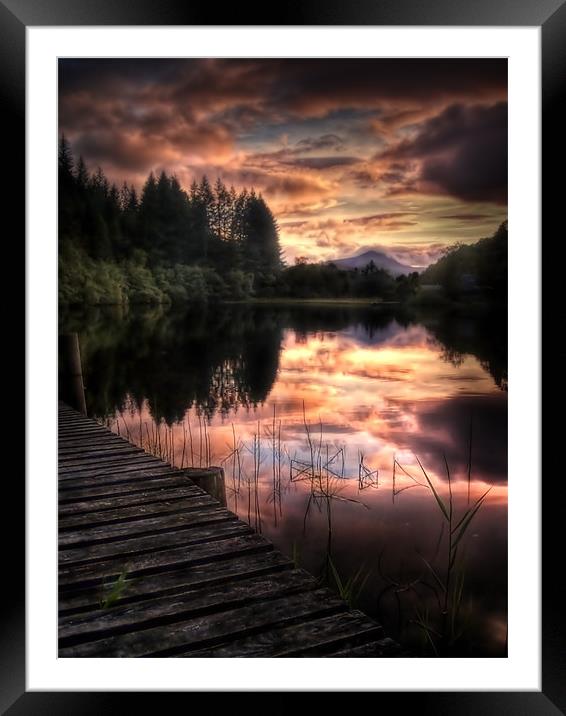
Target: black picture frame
[[550, 15]]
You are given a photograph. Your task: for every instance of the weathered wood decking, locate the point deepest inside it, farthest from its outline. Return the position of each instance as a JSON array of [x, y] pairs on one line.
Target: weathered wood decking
[[151, 565]]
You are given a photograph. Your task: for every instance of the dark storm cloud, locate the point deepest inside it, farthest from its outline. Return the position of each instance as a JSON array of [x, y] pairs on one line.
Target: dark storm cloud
[[79, 74], [292, 186], [363, 178], [324, 142], [243, 94], [290, 82], [395, 177], [462, 151], [389, 219], [316, 85], [465, 217], [293, 156], [125, 152], [323, 162]]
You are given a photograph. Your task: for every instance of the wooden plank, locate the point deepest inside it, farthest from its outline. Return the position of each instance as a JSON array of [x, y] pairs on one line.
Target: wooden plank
[[103, 623], [123, 549], [118, 452], [382, 648], [93, 493], [93, 427], [84, 536], [178, 638], [139, 512], [177, 581], [89, 451], [312, 638], [120, 464], [124, 464], [72, 426], [91, 456], [99, 457], [81, 431], [94, 574], [114, 473], [77, 429], [113, 502], [117, 479], [90, 433], [100, 439], [77, 418]]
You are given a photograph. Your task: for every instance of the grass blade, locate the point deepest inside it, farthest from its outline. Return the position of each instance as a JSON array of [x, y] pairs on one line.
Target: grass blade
[[468, 520], [434, 492]]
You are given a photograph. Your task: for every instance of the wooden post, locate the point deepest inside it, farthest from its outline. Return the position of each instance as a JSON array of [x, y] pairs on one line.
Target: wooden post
[[71, 387], [211, 479]]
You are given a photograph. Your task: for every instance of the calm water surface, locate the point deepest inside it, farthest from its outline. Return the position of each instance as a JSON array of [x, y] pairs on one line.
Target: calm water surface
[[308, 409]]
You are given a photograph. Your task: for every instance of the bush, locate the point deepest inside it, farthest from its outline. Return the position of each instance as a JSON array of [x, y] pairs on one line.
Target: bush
[[238, 285], [86, 280], [141, 286]]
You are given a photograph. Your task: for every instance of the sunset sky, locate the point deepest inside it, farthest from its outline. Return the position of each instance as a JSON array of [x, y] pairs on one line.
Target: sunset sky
[[405, 156]]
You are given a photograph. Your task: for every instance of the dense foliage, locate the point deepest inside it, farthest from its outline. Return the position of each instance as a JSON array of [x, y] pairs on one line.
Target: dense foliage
[[325, 280], [163, 245], [479, 268]]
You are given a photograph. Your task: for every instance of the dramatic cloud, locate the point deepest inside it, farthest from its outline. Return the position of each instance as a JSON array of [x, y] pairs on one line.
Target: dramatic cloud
[[388, 219], [348, 152], [323, 162], [465, 217], [296, 186], [463, 152], [327, 141]]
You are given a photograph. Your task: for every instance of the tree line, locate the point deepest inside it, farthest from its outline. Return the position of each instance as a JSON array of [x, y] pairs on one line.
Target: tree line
[[473, 269], [163, 244], [326, 280], [213, 243]]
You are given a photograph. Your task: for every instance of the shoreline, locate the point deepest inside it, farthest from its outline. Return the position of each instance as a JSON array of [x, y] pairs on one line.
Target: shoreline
[[274, 301]]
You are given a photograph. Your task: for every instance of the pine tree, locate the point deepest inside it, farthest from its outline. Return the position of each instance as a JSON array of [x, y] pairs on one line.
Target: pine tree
[[180, 220], [66, 163], [112, 216], [221, 211], [81, 174], [97, 216], [69, 224], [147, 213], [238, 229], [262, 252], [129, 218]]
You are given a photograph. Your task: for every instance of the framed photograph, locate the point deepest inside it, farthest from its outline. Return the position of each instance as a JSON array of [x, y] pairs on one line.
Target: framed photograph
[[283, 394]]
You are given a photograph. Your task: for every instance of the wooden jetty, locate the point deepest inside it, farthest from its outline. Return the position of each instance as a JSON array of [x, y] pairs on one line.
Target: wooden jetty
[[151, 565]]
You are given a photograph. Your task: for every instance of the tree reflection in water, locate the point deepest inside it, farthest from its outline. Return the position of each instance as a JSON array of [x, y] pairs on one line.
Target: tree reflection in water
[[307, 408]]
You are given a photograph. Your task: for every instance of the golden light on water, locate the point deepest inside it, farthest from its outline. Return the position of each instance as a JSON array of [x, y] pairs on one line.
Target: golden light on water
[[366, 399]]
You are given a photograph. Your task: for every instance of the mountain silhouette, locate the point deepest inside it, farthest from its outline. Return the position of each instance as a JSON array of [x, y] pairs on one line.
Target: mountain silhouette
[[380, 260]]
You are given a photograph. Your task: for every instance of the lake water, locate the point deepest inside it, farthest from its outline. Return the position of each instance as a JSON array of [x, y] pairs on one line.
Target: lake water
[[320, 417]]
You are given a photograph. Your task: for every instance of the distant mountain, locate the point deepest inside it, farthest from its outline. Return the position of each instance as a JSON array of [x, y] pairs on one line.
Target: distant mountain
[[380, 259]]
